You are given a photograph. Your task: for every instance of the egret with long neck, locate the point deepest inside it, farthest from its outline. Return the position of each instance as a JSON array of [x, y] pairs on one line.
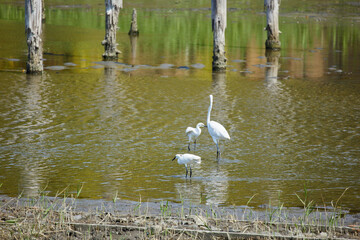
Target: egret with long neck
[[194, 133], [216, 130]]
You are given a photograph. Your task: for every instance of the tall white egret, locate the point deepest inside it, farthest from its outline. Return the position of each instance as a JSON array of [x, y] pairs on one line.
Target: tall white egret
[[194, 133], [187, 159], [216, 130]]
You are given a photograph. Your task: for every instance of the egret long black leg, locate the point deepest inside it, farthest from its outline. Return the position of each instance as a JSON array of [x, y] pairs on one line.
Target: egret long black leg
[[189, 147], [186, 171], [194, 145], [190, 172], [218, 149]]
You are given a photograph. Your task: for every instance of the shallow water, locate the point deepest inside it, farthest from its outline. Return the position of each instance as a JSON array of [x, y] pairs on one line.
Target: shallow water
[[293, 116]]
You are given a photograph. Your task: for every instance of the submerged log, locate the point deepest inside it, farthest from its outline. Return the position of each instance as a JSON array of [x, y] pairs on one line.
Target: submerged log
[[133, 26], [33, 16], [112, 17], [272, 24], [218, 18]]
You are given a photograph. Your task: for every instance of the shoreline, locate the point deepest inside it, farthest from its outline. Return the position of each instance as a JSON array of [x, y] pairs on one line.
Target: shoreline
[[74, 218], [125, 207]]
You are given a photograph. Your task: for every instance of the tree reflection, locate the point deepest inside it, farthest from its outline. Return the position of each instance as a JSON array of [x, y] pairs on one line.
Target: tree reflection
[[219, 83], [133, 44], [32, 136], [272, 69]]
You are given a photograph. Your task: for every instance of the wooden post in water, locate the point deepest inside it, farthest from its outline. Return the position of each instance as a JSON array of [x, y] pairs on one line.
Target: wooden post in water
[[112, 17], [133, 27], [33, 16], [272, 24], [218, 20]]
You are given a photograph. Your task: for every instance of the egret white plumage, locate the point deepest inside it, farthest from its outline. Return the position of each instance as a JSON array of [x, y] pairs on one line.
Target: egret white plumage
[[216, 130], [194, 133], [187, 159]]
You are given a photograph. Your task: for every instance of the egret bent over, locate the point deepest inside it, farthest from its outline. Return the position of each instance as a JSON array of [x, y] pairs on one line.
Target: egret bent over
[[194, 133], [216, 130], [187, 159]]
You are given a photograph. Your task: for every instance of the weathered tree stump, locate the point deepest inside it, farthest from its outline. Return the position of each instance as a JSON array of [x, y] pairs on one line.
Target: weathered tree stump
[[133, 26], [272, 24], [33, 16], [111, 24], [218, 18]]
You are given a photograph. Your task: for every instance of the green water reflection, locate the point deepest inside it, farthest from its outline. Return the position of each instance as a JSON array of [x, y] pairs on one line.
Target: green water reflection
[[293, 116]]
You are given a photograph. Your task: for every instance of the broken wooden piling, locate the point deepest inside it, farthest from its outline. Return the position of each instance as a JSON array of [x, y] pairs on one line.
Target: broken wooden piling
[[272, 24], [218, 19], [33, 17], [133, 26], [111, 25]]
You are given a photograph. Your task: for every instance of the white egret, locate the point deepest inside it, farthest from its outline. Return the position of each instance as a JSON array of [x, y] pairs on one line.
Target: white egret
[[187, 159], [194, 133], [216, 130]]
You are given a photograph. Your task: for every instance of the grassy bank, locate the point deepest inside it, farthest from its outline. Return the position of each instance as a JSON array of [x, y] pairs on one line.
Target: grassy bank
[[66, 217]]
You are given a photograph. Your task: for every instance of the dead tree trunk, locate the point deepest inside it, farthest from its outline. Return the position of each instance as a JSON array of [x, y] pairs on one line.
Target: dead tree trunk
[[218, 18], [33, 16], [112, 17], [272, 21], [133, 27]]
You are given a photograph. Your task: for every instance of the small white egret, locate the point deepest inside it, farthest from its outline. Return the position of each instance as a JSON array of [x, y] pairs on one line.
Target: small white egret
[[194, 133], [187, 159], [216, 130]]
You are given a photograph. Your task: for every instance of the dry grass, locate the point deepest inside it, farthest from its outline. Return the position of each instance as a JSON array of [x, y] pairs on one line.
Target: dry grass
[[57, 218]]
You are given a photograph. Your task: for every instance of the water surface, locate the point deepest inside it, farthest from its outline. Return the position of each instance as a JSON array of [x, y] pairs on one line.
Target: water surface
[[113, 127]]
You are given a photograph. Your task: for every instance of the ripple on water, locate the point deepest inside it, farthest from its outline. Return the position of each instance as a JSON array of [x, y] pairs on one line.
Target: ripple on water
[[70, 64], [198, 65], [56, 68], [165, 66]]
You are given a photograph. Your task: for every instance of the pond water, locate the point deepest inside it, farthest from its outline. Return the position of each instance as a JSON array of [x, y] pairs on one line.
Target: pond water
[[113, 127]]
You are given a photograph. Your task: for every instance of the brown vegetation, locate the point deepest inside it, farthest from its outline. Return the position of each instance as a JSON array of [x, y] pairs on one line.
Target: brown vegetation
[[45, 218]]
